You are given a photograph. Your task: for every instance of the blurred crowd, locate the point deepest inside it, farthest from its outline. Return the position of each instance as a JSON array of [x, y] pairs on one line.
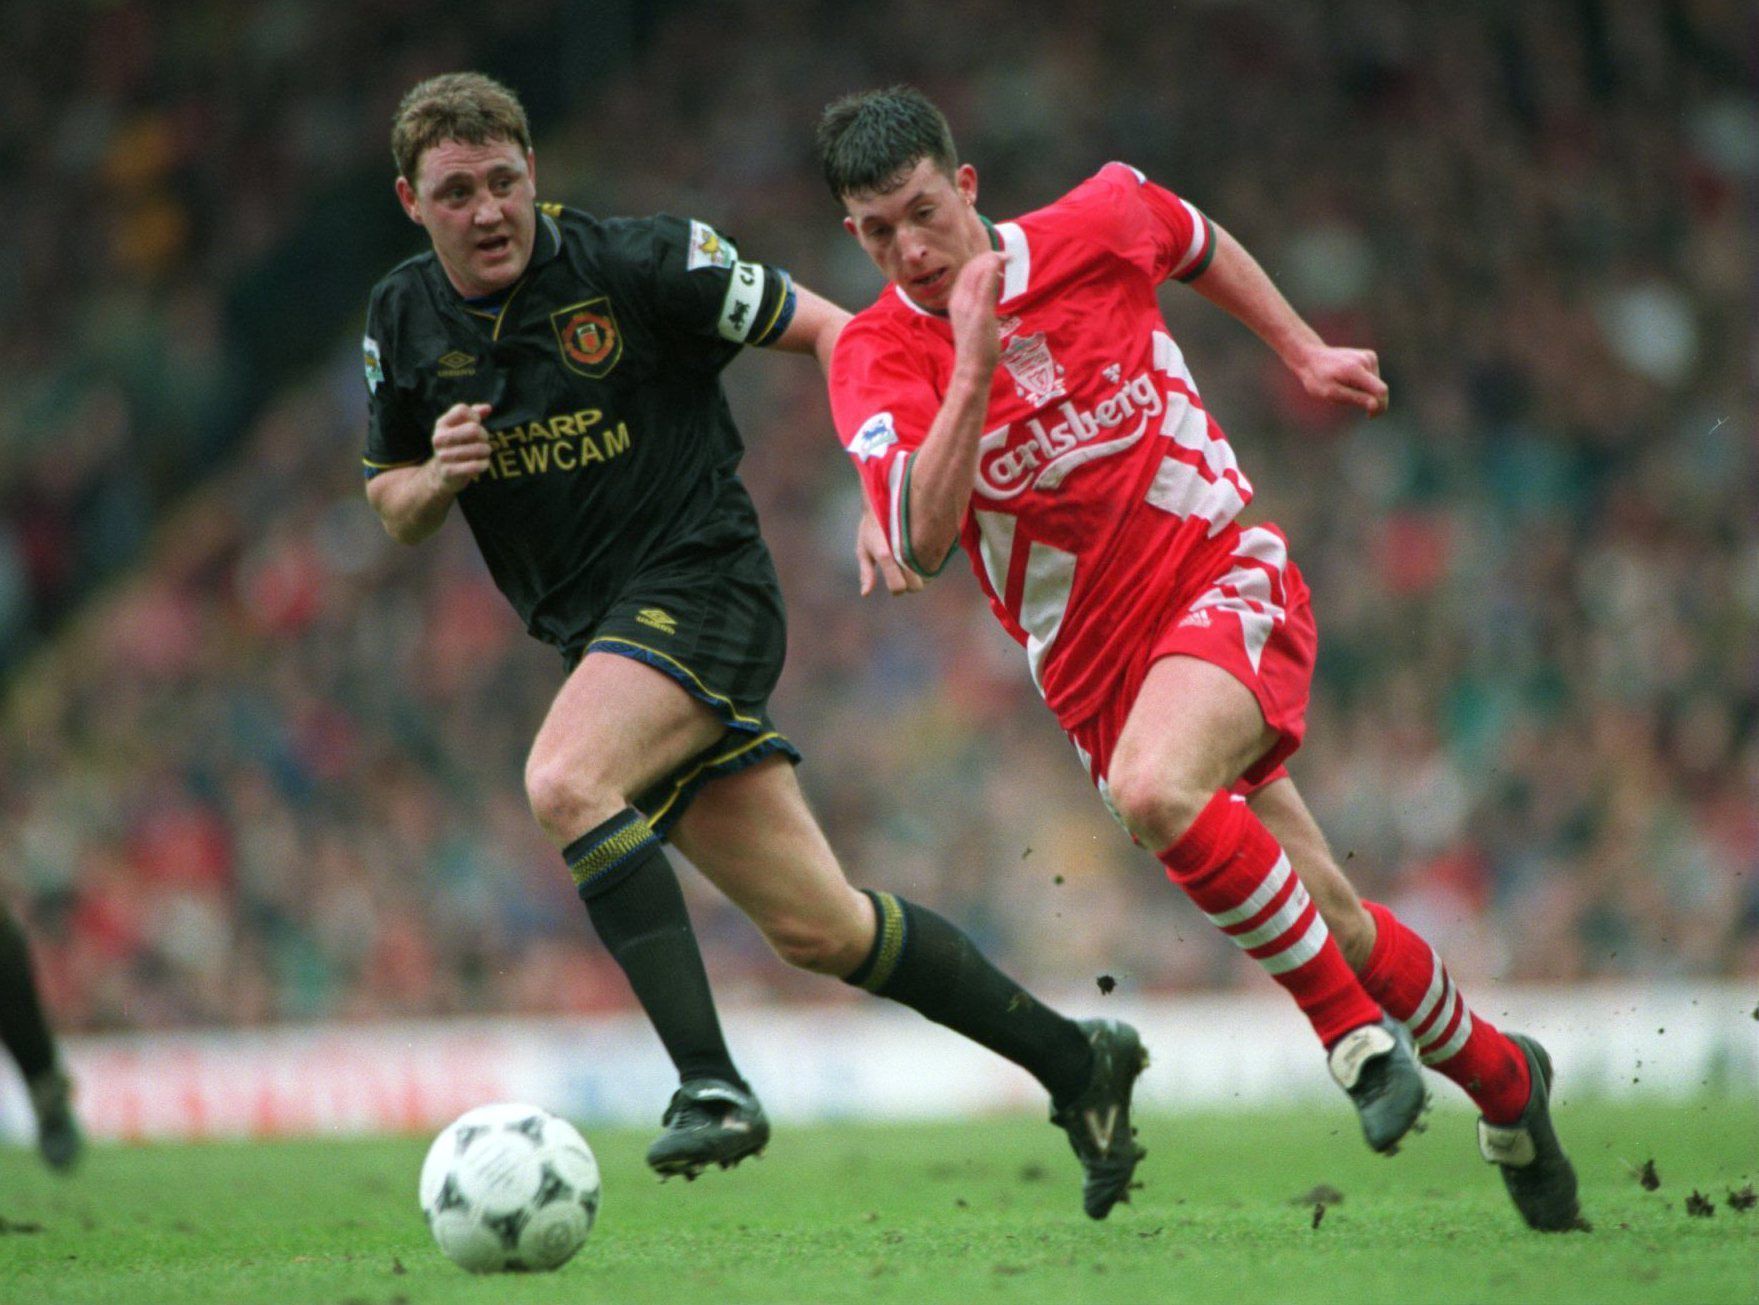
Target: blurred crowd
[[274, 771], [166, 159]]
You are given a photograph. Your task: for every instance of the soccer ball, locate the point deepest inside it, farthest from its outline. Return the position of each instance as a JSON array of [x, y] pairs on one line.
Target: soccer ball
[[509, 1187]]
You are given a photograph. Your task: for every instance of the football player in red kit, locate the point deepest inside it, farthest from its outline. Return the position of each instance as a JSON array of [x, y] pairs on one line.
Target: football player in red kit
[[1015, 389]]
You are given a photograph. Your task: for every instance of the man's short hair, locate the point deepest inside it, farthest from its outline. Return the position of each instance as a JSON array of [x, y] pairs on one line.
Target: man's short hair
[[869, 141], [466, 107]]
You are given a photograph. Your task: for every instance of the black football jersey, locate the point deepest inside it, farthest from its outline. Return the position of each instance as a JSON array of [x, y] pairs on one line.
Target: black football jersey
[[613, 443]]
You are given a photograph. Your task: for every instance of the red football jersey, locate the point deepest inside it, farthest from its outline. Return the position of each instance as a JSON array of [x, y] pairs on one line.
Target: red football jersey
[[1105, 494]]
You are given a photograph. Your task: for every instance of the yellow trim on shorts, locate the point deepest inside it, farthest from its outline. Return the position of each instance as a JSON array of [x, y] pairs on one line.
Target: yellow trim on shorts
[[683, 782], [694, 678]]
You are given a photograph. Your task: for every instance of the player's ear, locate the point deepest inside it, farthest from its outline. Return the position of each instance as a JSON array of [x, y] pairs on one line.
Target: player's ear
[[849, 224], [965, 179], [531, 167], [406, 197]]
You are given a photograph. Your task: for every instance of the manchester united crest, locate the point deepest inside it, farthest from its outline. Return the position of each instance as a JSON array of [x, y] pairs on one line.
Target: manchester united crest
[[588, 336]]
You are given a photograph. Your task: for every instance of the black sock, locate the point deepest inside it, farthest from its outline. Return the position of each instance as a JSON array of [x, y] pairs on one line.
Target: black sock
[[633, 900], [928, 964], [22, 1026]]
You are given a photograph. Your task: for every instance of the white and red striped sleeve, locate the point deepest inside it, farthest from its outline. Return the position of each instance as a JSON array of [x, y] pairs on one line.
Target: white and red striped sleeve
[[883, 404]]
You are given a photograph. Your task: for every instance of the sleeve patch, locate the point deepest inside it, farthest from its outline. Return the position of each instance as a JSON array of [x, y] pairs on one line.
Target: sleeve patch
[[375, 366], [744, 296], [708, 248], [877, 434]]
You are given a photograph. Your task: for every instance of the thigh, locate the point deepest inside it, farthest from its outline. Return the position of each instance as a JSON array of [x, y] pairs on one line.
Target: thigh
[[1192, 725], [753, 836], [623, 723], [1224, 695], [673, 682], [1255, 621], [715, 626]]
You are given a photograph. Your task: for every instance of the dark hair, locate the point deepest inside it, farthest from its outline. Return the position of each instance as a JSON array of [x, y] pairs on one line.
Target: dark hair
[[870, 140], [467, 107]]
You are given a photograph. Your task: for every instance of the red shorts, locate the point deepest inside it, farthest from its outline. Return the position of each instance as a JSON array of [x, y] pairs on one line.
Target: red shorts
[[1255, 621]]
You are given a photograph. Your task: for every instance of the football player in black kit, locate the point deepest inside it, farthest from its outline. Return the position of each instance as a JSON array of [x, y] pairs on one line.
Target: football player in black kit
[[558, 375]]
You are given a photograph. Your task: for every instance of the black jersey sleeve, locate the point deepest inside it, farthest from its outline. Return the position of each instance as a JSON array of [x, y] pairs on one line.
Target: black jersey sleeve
[[706, 291], [394, 436]]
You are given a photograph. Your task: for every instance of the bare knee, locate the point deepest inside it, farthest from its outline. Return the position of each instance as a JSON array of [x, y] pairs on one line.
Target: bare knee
[[822, 946], [825, 932], [567, 797], [1156, 808]]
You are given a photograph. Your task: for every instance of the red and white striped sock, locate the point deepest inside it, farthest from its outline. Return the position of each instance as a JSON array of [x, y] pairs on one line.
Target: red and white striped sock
[[1405, 975], [1239, 876]]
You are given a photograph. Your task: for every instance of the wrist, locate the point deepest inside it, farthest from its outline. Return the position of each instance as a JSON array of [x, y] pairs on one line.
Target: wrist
[[1301, 347], [439, 488], [971, 377]]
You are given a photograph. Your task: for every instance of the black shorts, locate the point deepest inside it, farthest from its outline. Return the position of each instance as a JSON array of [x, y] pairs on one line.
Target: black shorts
[[721, 632]]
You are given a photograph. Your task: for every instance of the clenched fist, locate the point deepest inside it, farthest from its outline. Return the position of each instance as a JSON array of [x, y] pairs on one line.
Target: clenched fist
[[461, 446]]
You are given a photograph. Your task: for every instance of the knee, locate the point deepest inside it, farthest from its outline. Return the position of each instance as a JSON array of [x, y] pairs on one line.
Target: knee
[[566, 797], [827, 934], [1155, 807], [820, 946]]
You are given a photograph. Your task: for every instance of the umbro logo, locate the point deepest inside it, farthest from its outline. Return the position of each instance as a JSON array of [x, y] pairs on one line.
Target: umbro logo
[[656, 619], [456, 363]]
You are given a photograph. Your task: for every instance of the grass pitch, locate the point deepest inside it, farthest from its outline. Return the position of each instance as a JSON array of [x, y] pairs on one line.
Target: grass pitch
[[973, 1212]]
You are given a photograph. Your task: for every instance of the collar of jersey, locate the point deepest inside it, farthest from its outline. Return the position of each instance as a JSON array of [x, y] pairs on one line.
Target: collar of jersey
[[544, 247], [548, 243], [1009, 239]]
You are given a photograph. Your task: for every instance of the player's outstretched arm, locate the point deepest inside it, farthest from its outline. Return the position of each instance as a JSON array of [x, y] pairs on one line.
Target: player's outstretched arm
[[816, 325], [1236, 282], [413, 501]]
